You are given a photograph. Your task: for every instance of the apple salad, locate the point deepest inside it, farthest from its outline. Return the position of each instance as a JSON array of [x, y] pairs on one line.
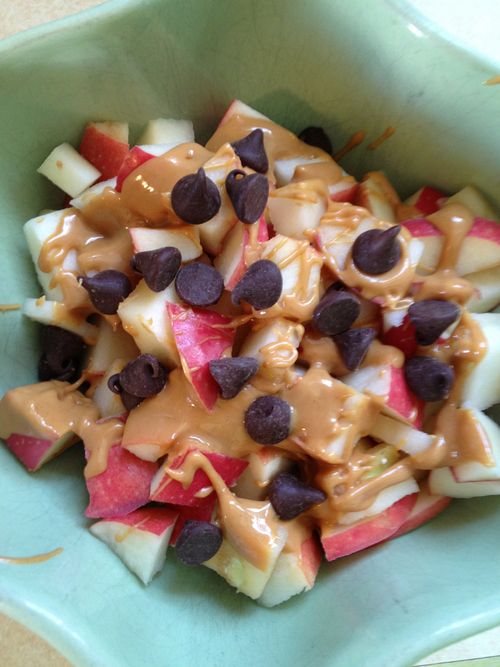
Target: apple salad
[[265, 361]]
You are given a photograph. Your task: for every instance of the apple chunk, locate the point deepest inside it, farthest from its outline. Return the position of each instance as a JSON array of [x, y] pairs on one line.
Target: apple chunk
[[443, 482], [67, 169], [240, 242], [102, 149], [185, 238], [164, 489], [201, 336], [481, 388], [474, 201], [57, 314], [263, 465], [376, 194], [425, 509], [473, 471], [112, 343], [297, 207], [167, 131], [122, 488], [426, 200], [486, 290], [35, 452], [140, 539]]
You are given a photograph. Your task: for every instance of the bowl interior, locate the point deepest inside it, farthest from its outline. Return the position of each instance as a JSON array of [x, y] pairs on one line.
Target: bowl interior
[[345, 66]]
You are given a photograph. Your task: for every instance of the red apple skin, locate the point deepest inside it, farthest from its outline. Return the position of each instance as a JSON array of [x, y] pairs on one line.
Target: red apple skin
[[346, 540], [29, 450], [428, 200], [150, 519], [402, 400], [122, 488], [416, 519], [200, 337], [402, 337], [489, 230], [202, 512], [133, 159], [347, 195], [102, 151], [173, 492], [311, 556], [421, 227]]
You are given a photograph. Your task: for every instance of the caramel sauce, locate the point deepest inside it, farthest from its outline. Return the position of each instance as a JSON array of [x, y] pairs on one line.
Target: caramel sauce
[[31, 560]]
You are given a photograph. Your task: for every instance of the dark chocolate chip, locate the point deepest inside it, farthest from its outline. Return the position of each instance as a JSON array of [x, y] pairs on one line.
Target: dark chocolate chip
[[129, 401], [248, 194], [198, 541], [267, 420], [290, 497], [431, 317], [158, 267], [114, 384], [428, 378], [251, 151], [199, 284], [354, 344], [377, 251], [260, 286], [50, 368], [195, 198], [144, 376], [107, 290], [232, 373], [336, 312], [316, 136]]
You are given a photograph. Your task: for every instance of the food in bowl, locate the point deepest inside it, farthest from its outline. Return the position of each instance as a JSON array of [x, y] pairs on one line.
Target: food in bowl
[[267, 362]]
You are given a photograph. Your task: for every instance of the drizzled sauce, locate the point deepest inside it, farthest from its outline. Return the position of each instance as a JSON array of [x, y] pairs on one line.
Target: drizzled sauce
[[6, 307], [31, 560], [354, 140], [386, 134]]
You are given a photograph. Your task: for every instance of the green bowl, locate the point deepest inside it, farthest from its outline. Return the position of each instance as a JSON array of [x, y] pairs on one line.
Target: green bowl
[[343, 64]]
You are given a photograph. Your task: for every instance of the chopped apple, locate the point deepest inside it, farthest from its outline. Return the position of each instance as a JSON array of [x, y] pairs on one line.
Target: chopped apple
[[122, 488], [108, 403], [376, 194], [140, 539], [202, 512], [240, 573], [481, 388], [300, 267], [52, 312], [383, 501], [338, 541], [102, 149], [37, 231], [426, 200], [67, 169], [425, 509], [273, 343], [201, 336], [401, 436], [474, 201], [387, 383], [111, 343], [486, 290], [144, 316], [473, 471], [35, 452], [263, 466], [294, 572], [94, 191], [167, 131], [164, 489], [239, 108], [185, 238], [134, 158], [344, 190], [217, 168], [284, 169], [297, 207], [232, 262], [443, 482], [117, 130], [399, 331]]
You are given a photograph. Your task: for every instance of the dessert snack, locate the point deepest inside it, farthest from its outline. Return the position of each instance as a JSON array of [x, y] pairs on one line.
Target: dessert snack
[[265, 361]]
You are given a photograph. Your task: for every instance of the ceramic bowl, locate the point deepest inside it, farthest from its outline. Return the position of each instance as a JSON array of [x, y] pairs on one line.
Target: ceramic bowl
[[343, 65]]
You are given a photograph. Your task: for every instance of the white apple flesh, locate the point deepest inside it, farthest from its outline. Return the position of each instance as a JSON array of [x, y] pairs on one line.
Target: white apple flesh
[[67, 169]]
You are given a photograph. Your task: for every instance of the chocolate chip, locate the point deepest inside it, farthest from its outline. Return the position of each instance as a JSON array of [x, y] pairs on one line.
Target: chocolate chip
[[260, 286], [290, 497], [195, 198], [198, 541], [107, 290], [143, 377], [251, 151], [61, 352], [248, 194], [158, 267], [377, 251], [232, 373], [114, 384], [431, 317], [316, 136], [353, 345], [429, 378], [336, 312], [267, 420], [129, 401], [199, 284]]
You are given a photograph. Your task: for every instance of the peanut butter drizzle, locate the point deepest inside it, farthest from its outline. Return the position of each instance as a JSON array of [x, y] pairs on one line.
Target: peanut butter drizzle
[[6, 307], [329, 172], [328, 416], [454, 221], [251, 526], [354, 140], [48, 410], [31, 560], [146, 191], [386, 134], [493, 81], [444, 284]]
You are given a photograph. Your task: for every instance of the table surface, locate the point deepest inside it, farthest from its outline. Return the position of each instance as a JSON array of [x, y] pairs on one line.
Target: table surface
[[18, 646]]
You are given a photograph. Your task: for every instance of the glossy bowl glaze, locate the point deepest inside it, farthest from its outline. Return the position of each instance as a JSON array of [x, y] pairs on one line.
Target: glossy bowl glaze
[[344, 65]]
